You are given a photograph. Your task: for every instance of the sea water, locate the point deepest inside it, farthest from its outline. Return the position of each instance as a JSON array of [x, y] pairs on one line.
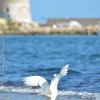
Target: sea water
[[45, 55]]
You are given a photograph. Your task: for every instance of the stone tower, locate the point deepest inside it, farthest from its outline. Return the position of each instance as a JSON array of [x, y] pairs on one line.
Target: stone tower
[[18, 10]]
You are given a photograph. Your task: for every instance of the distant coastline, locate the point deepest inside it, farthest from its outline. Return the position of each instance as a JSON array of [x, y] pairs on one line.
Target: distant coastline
[[52, 26], [47, 31]]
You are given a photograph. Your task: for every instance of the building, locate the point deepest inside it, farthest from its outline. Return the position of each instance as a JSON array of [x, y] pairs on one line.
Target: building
[[73, 21], [18, 10]]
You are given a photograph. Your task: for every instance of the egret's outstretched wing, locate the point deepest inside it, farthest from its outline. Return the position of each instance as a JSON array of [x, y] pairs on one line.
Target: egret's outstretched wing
[[64, 70], [54, 81], [38, 82], [35, 81]]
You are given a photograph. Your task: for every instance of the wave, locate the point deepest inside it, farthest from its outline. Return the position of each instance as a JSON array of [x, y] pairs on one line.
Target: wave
[[84, 94], [51, 70], [74, 72], [18, 89]]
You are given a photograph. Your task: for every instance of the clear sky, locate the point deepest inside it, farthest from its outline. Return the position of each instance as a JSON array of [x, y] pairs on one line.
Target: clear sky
[[43, 9]]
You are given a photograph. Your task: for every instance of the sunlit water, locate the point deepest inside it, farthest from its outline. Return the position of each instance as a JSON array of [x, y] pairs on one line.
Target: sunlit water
[[45, 56]]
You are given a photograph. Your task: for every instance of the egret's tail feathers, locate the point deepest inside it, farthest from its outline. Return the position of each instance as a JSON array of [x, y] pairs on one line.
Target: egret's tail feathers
[[64, 70]]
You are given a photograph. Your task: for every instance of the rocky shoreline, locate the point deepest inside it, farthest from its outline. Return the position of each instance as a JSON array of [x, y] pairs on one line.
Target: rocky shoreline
[[48, 30]]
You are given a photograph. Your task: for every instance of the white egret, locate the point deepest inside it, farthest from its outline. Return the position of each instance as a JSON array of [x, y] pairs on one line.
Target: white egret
[[48, 90]]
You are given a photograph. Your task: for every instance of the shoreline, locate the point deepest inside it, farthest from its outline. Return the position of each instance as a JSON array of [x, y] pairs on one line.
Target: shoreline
[[34, 33], [48, 30]]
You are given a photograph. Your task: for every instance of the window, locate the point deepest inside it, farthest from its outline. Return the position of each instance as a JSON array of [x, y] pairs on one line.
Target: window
[[7, 9]]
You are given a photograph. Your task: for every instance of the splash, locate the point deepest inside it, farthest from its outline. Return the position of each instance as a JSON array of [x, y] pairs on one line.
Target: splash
[[84, 94]]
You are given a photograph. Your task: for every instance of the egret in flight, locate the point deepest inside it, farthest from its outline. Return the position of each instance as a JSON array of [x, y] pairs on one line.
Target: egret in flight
[[48, 90]]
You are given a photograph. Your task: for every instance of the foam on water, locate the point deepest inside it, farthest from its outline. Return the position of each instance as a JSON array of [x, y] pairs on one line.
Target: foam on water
[[84, 94], [18, 89]]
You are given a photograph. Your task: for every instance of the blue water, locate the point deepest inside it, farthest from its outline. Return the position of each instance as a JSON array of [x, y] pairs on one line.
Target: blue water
[[46, 55]]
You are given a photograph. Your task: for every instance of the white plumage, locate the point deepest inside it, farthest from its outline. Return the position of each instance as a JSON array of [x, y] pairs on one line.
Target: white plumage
[[34, 81], [48, 90]]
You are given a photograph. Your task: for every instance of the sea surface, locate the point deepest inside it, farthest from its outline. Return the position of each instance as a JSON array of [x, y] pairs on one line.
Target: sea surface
[[45, 55]]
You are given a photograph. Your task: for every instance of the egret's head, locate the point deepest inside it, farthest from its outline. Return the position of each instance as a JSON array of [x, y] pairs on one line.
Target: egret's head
[[55, 75]]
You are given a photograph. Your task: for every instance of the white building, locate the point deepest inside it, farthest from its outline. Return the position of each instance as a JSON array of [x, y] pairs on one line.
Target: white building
[[74, 24], [18, 10]]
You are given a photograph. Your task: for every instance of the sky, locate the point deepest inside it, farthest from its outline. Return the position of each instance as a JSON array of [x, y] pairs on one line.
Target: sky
[[41, 10]]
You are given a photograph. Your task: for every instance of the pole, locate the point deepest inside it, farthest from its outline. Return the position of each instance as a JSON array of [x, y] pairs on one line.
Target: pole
[[3, 58]]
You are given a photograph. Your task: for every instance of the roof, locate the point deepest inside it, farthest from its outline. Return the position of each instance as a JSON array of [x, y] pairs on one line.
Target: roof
[[74, 23]]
